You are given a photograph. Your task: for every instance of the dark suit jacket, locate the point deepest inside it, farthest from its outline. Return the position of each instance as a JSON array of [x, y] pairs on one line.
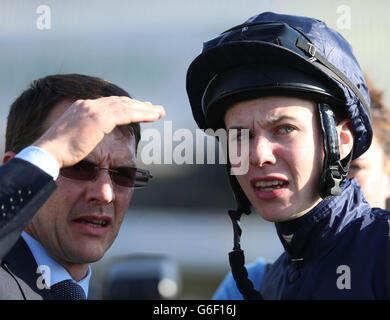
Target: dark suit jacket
[[19, 279], [24, 188]]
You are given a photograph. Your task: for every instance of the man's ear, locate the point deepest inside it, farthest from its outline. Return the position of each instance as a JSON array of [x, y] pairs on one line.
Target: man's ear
[[345, 136], [8, 156]]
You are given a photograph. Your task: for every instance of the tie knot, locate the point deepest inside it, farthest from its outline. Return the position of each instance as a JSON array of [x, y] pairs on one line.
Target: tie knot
[[67, 290]]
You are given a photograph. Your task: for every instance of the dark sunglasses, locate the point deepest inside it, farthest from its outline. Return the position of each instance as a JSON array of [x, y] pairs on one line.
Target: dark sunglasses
[[129, 177]]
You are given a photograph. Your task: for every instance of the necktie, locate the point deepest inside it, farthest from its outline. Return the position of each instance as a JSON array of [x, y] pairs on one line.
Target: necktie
[[67, 290]]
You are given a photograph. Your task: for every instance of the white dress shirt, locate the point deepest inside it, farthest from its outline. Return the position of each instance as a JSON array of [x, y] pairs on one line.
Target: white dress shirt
[[41, 159]]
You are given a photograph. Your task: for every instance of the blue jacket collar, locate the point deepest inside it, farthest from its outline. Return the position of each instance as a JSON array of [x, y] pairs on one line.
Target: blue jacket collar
[[323, 222]]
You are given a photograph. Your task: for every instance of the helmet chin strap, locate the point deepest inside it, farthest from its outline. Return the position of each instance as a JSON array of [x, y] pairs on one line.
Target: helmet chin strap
[[334, 172], [236, 257], [332, 180], [237, 262]]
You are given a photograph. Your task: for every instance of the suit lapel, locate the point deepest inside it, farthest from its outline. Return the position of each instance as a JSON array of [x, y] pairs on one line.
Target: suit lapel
[[21, 263]]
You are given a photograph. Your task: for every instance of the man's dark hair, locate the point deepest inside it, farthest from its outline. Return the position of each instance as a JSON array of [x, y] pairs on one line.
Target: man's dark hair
[[27, 115]]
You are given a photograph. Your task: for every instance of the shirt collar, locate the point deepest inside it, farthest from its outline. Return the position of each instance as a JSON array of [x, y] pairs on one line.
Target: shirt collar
[[45, 262]]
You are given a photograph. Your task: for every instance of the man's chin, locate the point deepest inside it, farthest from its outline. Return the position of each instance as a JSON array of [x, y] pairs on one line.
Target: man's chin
[[88, 254], [274, 211], [275, 218]]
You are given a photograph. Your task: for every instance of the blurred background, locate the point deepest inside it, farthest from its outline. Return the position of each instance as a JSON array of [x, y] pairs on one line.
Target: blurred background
[[179, 223]]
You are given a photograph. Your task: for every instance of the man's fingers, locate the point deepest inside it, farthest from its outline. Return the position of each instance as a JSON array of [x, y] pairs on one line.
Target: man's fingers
[[152, 108], [122, 110], [132, 103], [138, 111], [134, 115]]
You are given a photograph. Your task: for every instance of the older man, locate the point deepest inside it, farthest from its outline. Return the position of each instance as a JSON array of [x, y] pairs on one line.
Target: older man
[[82, 132]]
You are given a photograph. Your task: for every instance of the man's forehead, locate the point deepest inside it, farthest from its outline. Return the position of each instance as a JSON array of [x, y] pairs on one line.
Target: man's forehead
[[271, 112], [273, 103], [118, 143], [289, 111], [116, 149]]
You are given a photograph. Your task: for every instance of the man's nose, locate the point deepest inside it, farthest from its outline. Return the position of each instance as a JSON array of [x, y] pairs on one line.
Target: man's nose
[[261, 152], [101, 189]]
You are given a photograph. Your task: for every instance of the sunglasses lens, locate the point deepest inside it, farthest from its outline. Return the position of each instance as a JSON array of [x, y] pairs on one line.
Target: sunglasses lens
[[124, 177], [83, 170], [130, 177]]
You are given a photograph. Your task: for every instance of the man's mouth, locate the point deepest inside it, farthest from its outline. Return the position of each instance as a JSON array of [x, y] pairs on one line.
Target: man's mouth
[[269, 185], [93, 222]]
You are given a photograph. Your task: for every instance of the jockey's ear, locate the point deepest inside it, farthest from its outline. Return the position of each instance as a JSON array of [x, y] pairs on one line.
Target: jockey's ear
[[345, 137]]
